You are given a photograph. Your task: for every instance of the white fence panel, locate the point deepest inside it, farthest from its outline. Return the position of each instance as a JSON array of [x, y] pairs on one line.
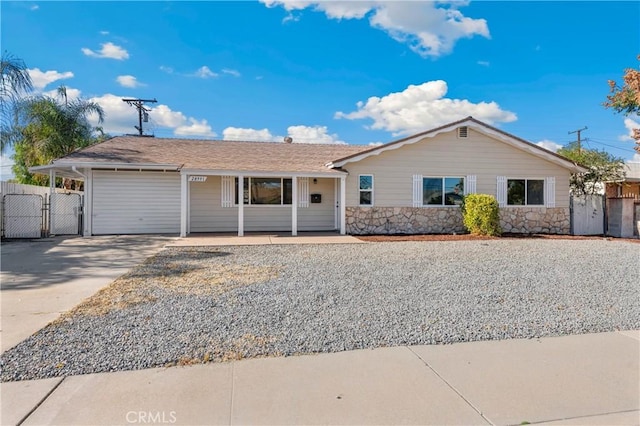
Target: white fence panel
[[587, 215], [22, 215], [65, 213]]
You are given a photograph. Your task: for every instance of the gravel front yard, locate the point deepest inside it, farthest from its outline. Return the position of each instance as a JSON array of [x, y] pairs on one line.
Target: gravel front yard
[[189, 305]]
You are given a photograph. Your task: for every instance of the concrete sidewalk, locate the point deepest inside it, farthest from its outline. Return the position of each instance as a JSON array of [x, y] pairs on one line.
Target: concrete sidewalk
[[583, 379], [262, 238]]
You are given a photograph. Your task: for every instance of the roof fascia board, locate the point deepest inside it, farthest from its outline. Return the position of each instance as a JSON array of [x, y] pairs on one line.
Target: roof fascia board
[[123, 166], [258, 173]]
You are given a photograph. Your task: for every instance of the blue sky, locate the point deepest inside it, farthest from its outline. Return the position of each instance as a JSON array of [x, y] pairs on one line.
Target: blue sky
[[360, 72]]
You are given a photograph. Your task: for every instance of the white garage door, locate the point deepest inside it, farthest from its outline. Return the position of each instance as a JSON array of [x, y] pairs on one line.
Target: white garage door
[[136, 202]]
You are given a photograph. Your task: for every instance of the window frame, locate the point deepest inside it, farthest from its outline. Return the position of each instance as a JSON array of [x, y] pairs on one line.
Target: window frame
[[247, 187], [526, 192], [443, 189], [371, 190]]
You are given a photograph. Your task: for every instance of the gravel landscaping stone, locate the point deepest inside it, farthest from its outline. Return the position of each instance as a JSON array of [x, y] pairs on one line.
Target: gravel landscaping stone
[[191, 305]]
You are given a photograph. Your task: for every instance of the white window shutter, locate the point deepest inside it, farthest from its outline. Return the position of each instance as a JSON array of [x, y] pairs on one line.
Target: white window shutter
[[417, 190], [470, 185], [303, 192], [228, 191], [502, 191], [550, 195]]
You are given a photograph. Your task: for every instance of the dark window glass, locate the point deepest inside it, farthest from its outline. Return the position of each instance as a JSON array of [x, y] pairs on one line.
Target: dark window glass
[[535, 192], [432, 191], [287, 196], [515, 192]]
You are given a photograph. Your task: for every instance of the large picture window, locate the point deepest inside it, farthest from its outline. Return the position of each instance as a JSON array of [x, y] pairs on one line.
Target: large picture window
[[265, 191], [525, 192], [365, 190], [439, 191]]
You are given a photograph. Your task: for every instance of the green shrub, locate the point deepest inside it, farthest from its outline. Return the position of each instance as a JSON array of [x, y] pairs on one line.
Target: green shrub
[[481, 214]]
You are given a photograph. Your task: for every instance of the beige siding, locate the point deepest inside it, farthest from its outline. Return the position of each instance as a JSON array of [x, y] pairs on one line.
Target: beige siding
[[135, 202], [208, 215], [319, 216], [206, 211], [447, 155]]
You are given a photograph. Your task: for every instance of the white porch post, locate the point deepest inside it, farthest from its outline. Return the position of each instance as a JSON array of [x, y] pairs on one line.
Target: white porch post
[[343, 201], [294, 205], [184, 201], [88, 203], [52, 190], [240, 206]]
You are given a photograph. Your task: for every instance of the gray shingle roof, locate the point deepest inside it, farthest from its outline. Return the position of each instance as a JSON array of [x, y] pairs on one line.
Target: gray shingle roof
[[213, 155]]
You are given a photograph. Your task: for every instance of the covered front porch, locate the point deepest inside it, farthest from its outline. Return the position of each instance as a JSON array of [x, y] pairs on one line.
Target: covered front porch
[[292, 203]]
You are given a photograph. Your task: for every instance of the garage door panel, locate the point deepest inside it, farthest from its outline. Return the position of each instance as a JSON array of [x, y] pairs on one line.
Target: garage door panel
[[136, 202]]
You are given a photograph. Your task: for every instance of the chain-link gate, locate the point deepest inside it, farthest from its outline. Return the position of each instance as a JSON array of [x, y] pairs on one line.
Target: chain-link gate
[[23, 216], [66, 214]]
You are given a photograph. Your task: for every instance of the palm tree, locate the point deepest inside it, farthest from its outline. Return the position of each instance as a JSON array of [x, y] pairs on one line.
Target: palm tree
[[15, 81], [51, 129]]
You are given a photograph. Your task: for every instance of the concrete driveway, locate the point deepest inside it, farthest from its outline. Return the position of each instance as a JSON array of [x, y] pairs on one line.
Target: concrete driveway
[[43, 278]]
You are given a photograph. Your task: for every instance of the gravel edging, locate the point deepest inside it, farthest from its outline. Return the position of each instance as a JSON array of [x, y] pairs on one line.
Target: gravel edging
[[343, 297]]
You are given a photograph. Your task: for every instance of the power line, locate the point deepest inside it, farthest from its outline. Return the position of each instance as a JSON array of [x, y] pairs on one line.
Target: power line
[[142, 112], [579, 131]]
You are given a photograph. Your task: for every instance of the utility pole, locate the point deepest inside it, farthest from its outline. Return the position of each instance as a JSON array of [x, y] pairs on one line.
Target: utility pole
[[142, 112], [579, 131]]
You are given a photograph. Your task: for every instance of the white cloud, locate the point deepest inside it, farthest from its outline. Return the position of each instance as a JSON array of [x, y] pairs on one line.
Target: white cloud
[[104, 32], [419, 108], [629, 124], [34, 7], [549, 145], [635, 158], [376, 144], [428, 28], [120, 118], [312, 134], [299, 134], [109, 50], [204, 72], [41, 79], [166, 69], [234, 73], [128, 81], [484, 63], [199, 128], [248, 134]]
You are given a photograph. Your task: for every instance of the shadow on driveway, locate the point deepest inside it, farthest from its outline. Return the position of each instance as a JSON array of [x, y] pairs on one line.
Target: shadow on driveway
[[32, 264]]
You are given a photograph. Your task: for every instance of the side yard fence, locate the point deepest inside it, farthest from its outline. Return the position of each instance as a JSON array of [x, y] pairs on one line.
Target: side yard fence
[[29, 211]]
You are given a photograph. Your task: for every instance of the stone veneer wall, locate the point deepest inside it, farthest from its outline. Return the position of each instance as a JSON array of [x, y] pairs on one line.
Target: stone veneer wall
[[447, 220], [535, 220], [403, 220]]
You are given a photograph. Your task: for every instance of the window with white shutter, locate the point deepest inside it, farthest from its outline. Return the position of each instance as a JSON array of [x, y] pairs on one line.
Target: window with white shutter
[[303, 192], [470, 185], [501, 193], [417, 190], [228, 191], [551, 191]]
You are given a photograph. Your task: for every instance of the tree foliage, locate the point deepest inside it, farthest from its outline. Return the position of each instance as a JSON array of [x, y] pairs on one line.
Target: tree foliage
[[50, 128], [601, 165], [625, 99], [15, 82]]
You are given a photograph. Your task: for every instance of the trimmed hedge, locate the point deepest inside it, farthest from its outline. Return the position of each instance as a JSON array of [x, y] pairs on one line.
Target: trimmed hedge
[[481, 214]]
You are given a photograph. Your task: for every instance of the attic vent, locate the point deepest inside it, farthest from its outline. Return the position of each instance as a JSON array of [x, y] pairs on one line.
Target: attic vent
[[463, 132]]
